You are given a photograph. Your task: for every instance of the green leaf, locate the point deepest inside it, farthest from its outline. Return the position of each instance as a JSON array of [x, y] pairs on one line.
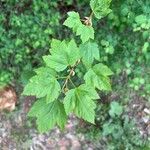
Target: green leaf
[[108, 128], [45, 71], [73, 22], [114, 129], [98, 77], [26, 75], [141, 19], [80, 101], [43, 85], [56, 46], [85, 32], [59, 63], [89, 51], [145, 47], [116, 109], [48, 115], [63, 54], [100, 8]]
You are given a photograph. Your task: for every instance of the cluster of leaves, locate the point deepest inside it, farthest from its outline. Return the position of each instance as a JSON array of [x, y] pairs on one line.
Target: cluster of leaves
[[121, 132], [124, 38], [121, 41], [26, 28], [114, 130], [58, 95], [125, 35]]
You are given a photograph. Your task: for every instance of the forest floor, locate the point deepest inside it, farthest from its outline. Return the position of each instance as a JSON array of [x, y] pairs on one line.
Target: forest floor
[[17, 133]]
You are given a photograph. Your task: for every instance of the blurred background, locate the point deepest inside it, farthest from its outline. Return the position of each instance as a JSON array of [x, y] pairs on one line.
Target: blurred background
[[122, 116]]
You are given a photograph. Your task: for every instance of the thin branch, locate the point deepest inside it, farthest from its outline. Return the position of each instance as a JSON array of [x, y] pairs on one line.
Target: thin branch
[[69, 75], [91, 15]]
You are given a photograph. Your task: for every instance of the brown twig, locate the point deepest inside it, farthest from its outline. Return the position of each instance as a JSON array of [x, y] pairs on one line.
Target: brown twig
[[71, 73], [88, 20]]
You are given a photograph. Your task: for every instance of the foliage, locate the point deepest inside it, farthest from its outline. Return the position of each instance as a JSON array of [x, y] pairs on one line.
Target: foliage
[[48, 114], [120, 131], [25, 29], [122, 134], [68, 57], [64, 57], [40, 87], [124, 44], [80, 101], [97, 76], [100, 8], [85, 32], [89, 51], [120, 41], [115, 110], [114, 130]]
